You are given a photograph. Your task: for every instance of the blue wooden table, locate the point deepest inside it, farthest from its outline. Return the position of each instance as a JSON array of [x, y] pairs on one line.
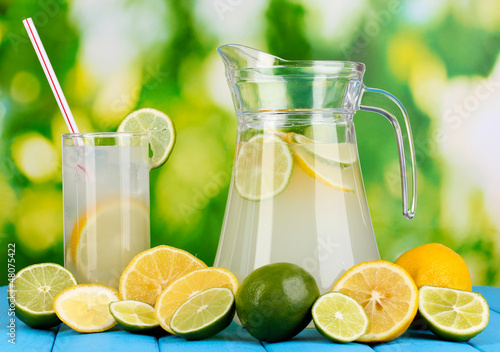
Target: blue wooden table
[[234, 338]]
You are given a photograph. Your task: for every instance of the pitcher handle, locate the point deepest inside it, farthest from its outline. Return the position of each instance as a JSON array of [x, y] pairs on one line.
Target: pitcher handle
[[408, 184]]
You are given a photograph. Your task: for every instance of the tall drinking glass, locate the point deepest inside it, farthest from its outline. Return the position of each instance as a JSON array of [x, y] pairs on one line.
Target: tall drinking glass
[[106, 203]]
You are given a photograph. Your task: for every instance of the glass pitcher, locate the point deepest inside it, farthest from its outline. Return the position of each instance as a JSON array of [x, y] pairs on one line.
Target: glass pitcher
[[296, 191]]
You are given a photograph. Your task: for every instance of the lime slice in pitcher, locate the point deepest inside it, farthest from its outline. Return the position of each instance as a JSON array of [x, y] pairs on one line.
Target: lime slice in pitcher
[[160, 128], [263, 167], [342, 154], [34, 289]]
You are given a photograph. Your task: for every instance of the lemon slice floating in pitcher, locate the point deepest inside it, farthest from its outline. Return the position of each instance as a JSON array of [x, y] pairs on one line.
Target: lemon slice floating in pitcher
[[326, 163], [453, 314], [161, 130], [263, 167]]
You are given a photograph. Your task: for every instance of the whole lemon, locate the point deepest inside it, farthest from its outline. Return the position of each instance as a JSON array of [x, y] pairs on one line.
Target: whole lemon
[[436, 265], [274, 302]]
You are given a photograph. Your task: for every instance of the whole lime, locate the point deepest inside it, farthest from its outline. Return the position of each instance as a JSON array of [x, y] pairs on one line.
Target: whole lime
[[274, 302]]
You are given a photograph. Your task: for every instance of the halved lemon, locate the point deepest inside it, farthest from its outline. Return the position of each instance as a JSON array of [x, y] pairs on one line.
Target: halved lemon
[[85, 308], [100, 232], [154, 269], [388, 295], [263, 167], [185, 287]]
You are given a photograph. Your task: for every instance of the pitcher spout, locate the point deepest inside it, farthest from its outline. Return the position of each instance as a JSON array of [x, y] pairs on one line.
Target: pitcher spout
[[238, 57]]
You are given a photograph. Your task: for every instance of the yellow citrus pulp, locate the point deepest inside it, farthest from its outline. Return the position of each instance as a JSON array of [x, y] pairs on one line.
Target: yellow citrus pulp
[[388, 295]]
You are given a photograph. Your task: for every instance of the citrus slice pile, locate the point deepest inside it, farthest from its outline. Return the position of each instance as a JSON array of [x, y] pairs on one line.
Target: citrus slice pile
[[339, 317], [263, 167], [134, 316], [161, 130], [453, 314], [204, 314], [388, 295], [188, 285], [153, 270], [34, 289], [85, 308]]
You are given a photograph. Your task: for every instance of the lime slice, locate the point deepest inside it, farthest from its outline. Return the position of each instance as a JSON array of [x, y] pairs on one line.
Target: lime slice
[[330, 173], [204, 314], [453, 314], [160, 128], [85, 308], [134, 316], [34, 288], [343, 154], [263, 167], [339, 317], [104, 228]]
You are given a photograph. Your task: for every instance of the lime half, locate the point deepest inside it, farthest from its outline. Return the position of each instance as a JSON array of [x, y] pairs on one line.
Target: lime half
[[134, 316], [160, 128], [263, 167], [453, 314], [204, 314], [343, 154], [339, 317], [34, 289]]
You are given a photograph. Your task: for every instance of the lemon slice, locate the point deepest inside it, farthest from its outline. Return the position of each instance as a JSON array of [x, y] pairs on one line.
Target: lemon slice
[[161, 130], [34, 288], [151, 271], [339, 317], [388, 295], [85, 308], [97, 237], [186, 286], [343, 154], [453, 314], [204, 314], [263, 167], [330, 173], [134, 316]]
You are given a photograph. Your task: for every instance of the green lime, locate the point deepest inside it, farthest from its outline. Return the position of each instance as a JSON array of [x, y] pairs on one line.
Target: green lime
[[34, 289], [343, 154], [134, 316], [339, 317], [453, 314], [160, 128], [263, 167], [274, 302], [204, 314]]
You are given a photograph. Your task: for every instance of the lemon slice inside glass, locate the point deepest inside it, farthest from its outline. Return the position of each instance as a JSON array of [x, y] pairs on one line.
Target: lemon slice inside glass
[[161, 130], [134, 316], [204, 314], [339, 317], [453, 314], [263, 167], [34, 288], [98, 234]]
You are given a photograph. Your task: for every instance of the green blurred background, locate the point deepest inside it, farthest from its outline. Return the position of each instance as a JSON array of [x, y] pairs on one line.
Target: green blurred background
[[439, 57]]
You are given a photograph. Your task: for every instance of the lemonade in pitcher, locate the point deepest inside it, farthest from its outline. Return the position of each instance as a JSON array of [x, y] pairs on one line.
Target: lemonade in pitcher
[[298, 200]]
